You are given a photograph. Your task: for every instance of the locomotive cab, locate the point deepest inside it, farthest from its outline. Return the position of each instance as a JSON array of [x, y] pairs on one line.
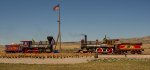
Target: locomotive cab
[[26, 43]]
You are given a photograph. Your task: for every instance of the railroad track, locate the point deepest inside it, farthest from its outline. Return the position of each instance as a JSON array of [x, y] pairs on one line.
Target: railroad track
[[67, 55], [61, 58], [46, 55]]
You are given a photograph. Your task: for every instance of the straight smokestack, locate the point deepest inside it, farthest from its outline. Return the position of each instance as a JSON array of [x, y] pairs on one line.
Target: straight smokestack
[[85, 36]]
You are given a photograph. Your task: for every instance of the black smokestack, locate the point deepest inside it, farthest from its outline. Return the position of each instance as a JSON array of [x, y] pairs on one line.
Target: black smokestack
[[85, 36], [49, 38]]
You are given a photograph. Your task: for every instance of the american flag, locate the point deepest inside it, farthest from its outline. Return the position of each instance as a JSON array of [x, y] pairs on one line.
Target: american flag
[[55, 8]]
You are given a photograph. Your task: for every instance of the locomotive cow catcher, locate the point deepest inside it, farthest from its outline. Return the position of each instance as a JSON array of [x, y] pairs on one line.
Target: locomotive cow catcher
[[32, 47], [110, 46]]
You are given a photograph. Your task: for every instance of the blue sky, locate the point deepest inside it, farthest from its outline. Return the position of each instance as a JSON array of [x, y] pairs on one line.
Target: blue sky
[[27, 19]]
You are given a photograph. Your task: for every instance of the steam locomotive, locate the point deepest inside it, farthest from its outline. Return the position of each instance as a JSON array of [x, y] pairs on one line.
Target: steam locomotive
[[110, 46], [31, 46]]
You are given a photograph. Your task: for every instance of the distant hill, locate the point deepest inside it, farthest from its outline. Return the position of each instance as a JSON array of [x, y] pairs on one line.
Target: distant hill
[[144, 40], [1, 46]]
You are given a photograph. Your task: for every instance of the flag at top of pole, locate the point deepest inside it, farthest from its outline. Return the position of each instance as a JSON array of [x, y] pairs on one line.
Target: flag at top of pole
[[55, 8]]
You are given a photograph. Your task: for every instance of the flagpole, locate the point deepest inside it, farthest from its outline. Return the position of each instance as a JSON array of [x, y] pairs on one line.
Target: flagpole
[[59, 27]]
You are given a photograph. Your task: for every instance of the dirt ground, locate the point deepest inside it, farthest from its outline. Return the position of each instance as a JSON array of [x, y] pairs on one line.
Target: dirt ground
[[146, 46], [45, 61], [146, 51]]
